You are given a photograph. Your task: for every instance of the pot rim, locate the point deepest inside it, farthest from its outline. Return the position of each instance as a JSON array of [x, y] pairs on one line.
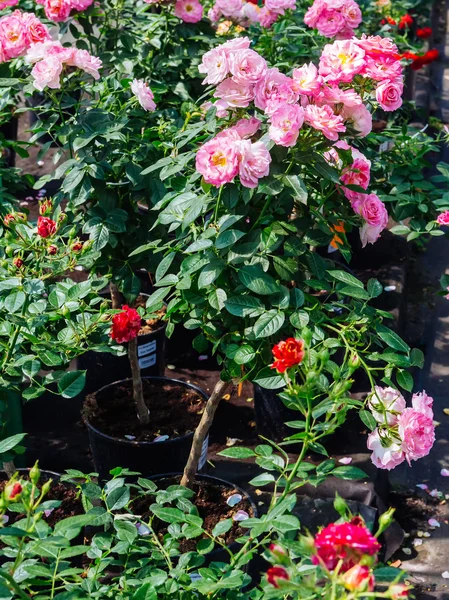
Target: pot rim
[[134, 443], [28, 469]]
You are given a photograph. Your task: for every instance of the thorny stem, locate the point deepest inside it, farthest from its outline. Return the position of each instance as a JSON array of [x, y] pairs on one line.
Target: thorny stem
[[142, 411]]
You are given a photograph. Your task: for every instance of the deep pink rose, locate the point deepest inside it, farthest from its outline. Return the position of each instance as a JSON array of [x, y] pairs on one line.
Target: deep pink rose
[[443, 218], [417, 432], [389, 94], [189, 11], [218, 161]]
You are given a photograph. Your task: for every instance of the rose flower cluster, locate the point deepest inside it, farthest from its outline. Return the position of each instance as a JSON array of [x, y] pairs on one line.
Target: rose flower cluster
[[402, 433], [246, 12], [334, 18], [59, 10], [189, 11], [49, 59], [18, 32]]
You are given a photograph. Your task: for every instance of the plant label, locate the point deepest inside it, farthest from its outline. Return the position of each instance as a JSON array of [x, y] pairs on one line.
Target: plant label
[[145, 349]]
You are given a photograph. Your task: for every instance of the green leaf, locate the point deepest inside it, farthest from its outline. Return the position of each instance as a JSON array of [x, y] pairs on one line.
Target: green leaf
[[242, 306], [228, 238], [10, 442], [72, 383], [118, 498], [354, 292], [237, 452], [268, 323], [389, 574], [263, 479], [169, 515], [346, 278], [244, 354], [368, 419], [300, 190], [299, 319], [405, 380], [349, 472], [417, 358], [256, 280], [71, 527], [164, 265], [15, 301], [217, 299], [374, 288], [269, 379], [392, 339], [205, 546], [209, 273], [146, 592], [222, 527], [100, 236]]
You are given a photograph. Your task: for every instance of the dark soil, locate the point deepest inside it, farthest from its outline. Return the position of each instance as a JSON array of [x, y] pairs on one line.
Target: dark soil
[[150, 325], [68, 496], [414, 511], [210, 500], [174, 410]]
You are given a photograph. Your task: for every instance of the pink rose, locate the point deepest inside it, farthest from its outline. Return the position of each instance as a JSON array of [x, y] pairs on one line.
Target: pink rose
[[37, 31], [387, 454], [251, 12], [274, 90], [285, 124], [57, 10], [246, 128], [6, 3], [382, 67], [215, 65], [217, 161], [231, 46], [417, 432], [358, 173], [86, 62], [221, 107], [80, 5], [373, 211], [230, 8], [280, 6], [143, 94], [334, 95], [46, 73], [423, 403], [376, 45], [189, 11], [306, 80], [214, 14], [389, 94], [352, 14], [359, 117], [41, 50], [13, 35], [443, 218], [386, 404], [323, 119], [313, 13], [330, 22], [267, 17], [247, 66], [341, 61], [254, 162], [236, 94]]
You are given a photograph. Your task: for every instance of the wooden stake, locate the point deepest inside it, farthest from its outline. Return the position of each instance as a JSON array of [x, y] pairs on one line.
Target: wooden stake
[[142, 410]]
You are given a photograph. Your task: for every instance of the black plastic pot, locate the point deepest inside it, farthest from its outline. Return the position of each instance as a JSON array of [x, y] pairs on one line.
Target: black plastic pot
[[272, 414], [9, 131], [149, 458], [219, 554]]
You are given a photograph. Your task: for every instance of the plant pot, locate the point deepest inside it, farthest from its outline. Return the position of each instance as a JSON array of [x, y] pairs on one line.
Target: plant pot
[[147, 457], [271, 414], [9, 131], [218, 554], [11, 418]]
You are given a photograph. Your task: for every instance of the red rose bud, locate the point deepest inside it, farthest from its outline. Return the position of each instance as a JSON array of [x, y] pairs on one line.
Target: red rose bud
[[391, 21], [288, 354], [431, 55], [8, 219], [405, 21], [398, 591], [77, 246], [52, 250], [16, 490], [125, 325], [277, 550], [276, 574], [46, 227], [358, 578], [424, 32], [18, 262], [45, 207]]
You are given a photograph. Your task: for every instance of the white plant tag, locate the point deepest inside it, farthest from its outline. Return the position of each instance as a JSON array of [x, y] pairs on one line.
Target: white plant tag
[[145, 349]]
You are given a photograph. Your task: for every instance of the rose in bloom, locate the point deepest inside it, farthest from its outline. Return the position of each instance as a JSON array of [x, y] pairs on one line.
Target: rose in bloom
[[359, 117], [375, 214], [358, 173], [274, 90], [424, 32], [389, 94], [280, 6], [276, 574], [230, 8], [358, 578], [417, 432], [285, 124], [423, 403], [443, 218], [13, 35], [334, 95], [386, 404], [306, 80], [143, 94], [236, 94], [346, 542], [215, 65], [217, 160], [398, 591], [46, 73], [6, 3], [190, 11], [247, 66], [41, 50], [57, 10], [86, 62], [267, 18], [381, 68], [80, 5], [334, 18], [387, 453], [125, 325], [37, 31], [288, 353], [254, 162], [15, 491], [325, 120], [246, 128], [405, 21], [46, 227], [341, 61], [376, 46]]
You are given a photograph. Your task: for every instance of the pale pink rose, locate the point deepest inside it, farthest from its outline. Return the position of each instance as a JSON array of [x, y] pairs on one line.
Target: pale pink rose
[[359, 117], [6, 3], [222, 108], [57, 10], [376, 45], [330, 22], [247, 66], [13, 35], [143, 94], [323, 119], [369, 234], [341, 61], [389, 94], [41, 50], [246, 128], [80, 5], [387, 454], [423, 403], [86, 62], [334, 95], [215, 65], [236, 94], [37, 31], [230, 8], [313, 13], [3, 57], [358, 173], [46, 73], [214, 14], [386, 404], [382, 67], [352, 14], [231, 46], [274, 90], [306, 80], [417, 432], [267, 18], [443, 218], [280, 6], [217, 161], [254, 162], [189, 11], [285, 124], [251, 12]]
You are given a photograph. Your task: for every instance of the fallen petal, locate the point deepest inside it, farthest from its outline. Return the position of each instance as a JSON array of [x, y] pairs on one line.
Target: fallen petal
[[445, 472], [240, 515], [232, 441], [346, 460], [142, 529], [161, 438], [5, 518], [130, 437], [434, 493], [234, 499], [48, 512], [445, 575], [406, 551], [417, 542], [434, 523], [422, 486]]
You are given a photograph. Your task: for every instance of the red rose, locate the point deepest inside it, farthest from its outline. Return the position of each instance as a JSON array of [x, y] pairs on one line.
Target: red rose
[[347, 542], [77, 246], [277, 550], [46, 227], [125, 325], [391, 21], [405, 21], [431, 55], [288, 354], [424, 32], [276, 574], [359, 578], [18, 262], [16, 490], [52, 250]]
